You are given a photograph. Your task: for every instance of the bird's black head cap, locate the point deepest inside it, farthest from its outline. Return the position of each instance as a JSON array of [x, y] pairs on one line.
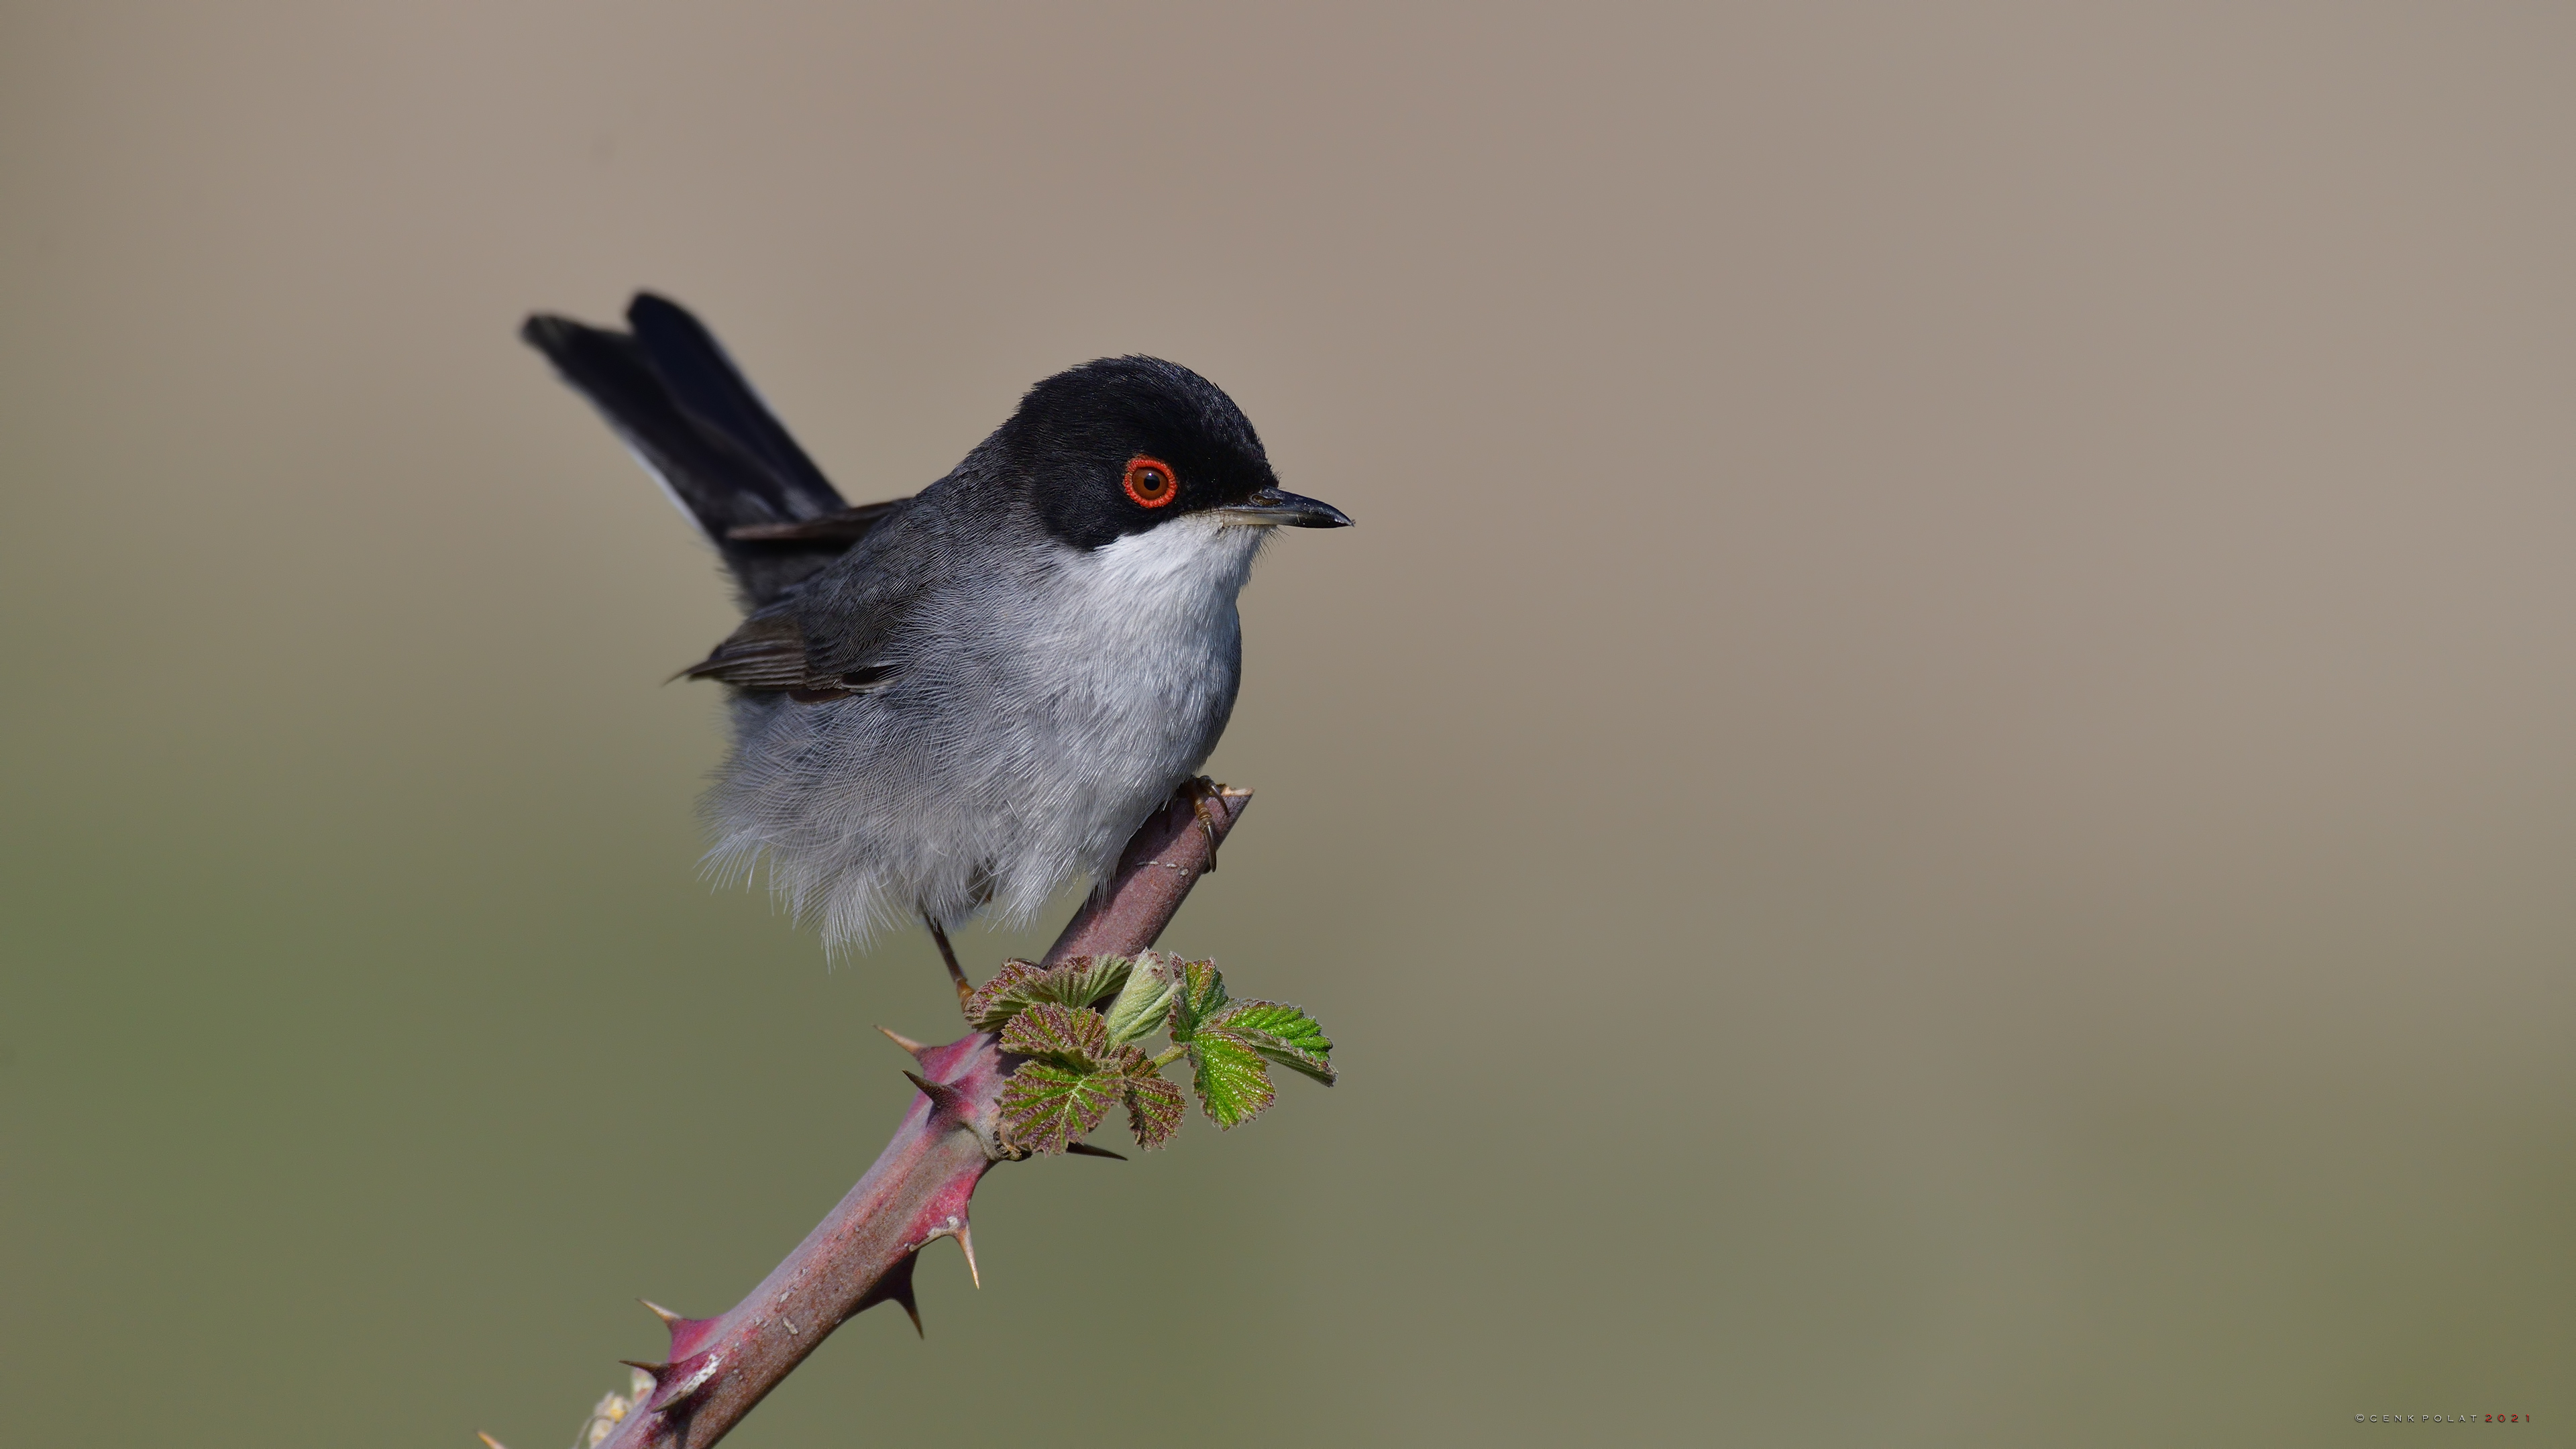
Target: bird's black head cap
[[1123, 444]]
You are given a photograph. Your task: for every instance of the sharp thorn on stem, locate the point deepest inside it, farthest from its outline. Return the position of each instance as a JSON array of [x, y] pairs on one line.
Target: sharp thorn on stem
[[688, 1335], [685, 1378], [944, 1099], [1085, 1149], [896, 1286], [655, 1369], [660, 1312], [905, 1042], [966, 1240]]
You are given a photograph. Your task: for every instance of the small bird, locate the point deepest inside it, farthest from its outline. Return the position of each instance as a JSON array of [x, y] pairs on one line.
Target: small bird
[[971, 696]]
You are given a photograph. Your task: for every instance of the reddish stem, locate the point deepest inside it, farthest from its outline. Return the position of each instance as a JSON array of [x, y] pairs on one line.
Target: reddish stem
[[863, 1252], [1163, 859]]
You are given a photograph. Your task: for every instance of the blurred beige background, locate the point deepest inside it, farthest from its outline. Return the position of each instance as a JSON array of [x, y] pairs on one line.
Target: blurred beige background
[[1934, 805]]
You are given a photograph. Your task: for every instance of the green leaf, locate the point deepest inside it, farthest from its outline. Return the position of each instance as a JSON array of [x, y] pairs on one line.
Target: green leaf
[[1201, 996], [1072, 1075], [1283, 1033], [1049, 1032], [1229, 1043], [1020, 985], [1154, 1109], [1084, 980], [1044, 1106], [1232, 1083], [1009, 993], [1145, 1003]]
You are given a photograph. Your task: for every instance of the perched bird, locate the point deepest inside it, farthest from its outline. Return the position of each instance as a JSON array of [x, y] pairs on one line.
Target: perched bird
[[973, 695]]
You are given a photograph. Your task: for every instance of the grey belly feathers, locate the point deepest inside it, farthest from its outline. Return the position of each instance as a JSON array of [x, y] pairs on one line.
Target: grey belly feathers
[[1039, 706]]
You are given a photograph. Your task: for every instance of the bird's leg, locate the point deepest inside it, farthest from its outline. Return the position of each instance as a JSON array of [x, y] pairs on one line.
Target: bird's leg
[[1203, 795], [948, 953]]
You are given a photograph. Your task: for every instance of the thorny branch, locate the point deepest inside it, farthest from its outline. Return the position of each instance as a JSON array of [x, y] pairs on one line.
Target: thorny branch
[[917, 1191]]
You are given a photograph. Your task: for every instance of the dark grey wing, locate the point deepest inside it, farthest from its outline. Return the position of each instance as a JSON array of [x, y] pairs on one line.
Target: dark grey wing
[[839, 636], [768, 654], [668, 389]]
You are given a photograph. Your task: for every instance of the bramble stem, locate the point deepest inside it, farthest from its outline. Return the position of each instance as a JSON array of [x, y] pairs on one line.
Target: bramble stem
[[1163, 859], [918, 1189]]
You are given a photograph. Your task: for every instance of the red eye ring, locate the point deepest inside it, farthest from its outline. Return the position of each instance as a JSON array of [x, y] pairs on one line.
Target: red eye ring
[[1150, 482]]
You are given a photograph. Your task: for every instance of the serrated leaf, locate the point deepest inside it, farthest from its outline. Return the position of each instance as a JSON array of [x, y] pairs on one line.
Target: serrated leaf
[[1072, 1075], [1052, 1032], [1009, 993], [1044, 1106], [1020, 985], [1283, 1033], [1278, 1019], [1201, 996], [1154, 1110], [1145, 1002], [1084, 980], [1232, 1083]]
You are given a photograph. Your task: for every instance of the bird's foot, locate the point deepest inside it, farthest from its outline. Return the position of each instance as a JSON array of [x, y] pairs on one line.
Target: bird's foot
[[1204, 796]]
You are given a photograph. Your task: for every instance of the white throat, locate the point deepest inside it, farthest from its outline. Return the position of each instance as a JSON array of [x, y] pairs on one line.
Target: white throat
[[1186, 564]]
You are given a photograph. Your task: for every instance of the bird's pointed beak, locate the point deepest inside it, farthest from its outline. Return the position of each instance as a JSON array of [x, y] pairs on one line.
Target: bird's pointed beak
[[1279, 508]]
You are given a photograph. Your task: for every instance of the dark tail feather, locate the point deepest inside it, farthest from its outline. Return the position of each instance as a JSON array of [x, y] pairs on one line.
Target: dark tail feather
[[707, 386], [671, 393]]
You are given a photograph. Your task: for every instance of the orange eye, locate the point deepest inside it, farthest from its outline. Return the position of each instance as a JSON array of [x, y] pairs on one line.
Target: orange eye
[[1150, 482]]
